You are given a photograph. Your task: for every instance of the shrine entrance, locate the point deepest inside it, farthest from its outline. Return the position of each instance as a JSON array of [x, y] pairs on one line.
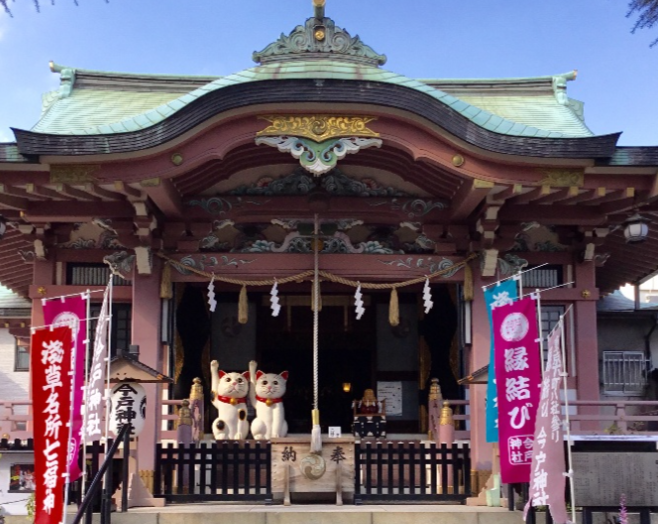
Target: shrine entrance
[[354, 355]]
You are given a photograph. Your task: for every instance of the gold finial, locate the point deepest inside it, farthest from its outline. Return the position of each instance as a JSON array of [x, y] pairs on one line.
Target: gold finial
[[197, 390], [319, 8], [446, 415], [435, 390], [184, 414]]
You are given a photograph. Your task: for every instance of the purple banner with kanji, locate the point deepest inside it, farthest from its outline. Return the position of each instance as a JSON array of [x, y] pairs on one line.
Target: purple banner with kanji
[[72, 312], [518, 377], [547, 474]]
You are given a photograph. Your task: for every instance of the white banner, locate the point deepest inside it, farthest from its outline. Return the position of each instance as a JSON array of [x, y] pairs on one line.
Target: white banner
[[96, 384]]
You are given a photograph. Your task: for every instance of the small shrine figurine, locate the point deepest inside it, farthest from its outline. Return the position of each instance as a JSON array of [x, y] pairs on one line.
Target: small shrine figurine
[[368, 405], [369, 416]]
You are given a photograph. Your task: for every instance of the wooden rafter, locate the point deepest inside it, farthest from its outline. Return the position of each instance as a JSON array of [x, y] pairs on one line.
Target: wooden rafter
[[95, 189], [72, 192], [468, 197], [531, 195]]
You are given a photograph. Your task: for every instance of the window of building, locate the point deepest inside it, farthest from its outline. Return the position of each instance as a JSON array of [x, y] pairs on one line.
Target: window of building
[[550, 316], [624, 373], [121, 325], [543, 277], [21, 357]]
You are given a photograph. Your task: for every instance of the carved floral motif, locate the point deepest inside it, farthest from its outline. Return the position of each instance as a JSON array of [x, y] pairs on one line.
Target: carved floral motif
[[204, 262], [318, 127], [303, 41], [318, 158], [429, 264]]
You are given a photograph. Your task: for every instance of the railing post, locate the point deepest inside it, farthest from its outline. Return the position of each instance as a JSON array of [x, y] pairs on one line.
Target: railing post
[[621, 417]]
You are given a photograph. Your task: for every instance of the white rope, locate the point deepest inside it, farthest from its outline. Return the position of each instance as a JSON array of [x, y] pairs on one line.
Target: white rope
[[316, 289]]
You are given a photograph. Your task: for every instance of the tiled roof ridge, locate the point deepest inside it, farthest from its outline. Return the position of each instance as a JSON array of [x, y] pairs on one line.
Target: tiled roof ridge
[[88, 78], [546, 80], [479, 116]]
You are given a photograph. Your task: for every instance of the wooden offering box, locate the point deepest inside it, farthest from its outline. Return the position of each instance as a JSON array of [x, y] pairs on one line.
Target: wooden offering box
[[289, 465]]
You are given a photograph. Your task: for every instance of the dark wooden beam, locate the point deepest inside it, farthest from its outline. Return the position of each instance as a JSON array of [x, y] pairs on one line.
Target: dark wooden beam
[[530, 195], [558, 215], [81, 212], [72, 192], [12, 202], [166, 197], [103, 193], [36, 190], [558, 196], [468, 197]]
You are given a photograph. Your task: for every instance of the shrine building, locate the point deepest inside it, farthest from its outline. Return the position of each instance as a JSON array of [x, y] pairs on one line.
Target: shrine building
[[171, 182]]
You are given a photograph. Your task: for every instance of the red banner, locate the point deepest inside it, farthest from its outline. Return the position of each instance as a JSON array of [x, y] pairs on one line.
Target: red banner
[[50, 366], [548, 466], [518, 377], [72, 312]]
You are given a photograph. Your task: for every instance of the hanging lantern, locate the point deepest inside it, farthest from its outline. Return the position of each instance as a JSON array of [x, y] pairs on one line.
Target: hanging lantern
[[636, 228]]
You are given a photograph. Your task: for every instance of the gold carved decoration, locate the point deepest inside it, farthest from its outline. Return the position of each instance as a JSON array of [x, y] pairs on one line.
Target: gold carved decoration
[[318, 127], [150, 182], [562, 178], [73, 174]]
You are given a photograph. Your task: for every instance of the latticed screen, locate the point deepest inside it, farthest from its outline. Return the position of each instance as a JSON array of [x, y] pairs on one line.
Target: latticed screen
[[542, 277], [89, 274], [624, 372]]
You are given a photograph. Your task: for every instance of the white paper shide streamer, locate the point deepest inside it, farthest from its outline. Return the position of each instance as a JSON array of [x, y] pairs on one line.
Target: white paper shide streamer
[[275, 306], [427, 296], [212, 302], [358, 303]]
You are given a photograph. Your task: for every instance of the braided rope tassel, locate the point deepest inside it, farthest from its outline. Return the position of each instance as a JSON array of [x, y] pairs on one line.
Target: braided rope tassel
[[316, 432]]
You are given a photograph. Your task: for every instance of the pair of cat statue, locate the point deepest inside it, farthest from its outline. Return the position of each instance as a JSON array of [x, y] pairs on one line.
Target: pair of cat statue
[[229, 396]]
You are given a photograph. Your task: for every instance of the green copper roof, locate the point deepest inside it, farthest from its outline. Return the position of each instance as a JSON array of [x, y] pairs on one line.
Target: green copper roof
[[107, 110]]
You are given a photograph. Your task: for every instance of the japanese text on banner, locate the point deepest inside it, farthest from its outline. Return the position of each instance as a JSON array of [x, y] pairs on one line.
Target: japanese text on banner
[[547, 471], [518, 377], [51, 401]]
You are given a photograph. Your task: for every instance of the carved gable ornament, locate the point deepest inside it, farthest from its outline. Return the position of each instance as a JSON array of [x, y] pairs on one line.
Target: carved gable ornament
[[562, 177], [318, 141], [317, 39]]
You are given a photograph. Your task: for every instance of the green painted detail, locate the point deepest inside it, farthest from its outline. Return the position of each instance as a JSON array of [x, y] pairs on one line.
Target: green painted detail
[[318, 157], [317, 37]]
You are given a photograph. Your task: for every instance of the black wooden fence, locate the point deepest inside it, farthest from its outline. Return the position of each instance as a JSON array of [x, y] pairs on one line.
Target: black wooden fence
[[223, 471], [412, 471]]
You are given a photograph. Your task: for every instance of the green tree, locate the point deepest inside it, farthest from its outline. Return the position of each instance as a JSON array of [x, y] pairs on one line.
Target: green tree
[[647, 15]]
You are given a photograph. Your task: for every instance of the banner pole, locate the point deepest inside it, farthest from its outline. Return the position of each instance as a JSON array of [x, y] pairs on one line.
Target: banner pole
[[109, 354], [564, 374], [84, 389], [67, 464], [540, 333]]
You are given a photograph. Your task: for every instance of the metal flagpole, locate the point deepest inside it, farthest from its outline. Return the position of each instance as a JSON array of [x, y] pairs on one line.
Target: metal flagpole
[[540, 334], [566, 411], [109, 352], [84, 389], [67, 473], [514, 275]]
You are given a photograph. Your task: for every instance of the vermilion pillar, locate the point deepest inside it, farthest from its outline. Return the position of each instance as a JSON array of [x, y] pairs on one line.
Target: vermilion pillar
[[587, 349], [146, 334], [481, 450]]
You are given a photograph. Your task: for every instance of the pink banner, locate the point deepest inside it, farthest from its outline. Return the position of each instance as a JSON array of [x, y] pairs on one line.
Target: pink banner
[[518, 377], [51, 403], [548, 479], [72, 312]]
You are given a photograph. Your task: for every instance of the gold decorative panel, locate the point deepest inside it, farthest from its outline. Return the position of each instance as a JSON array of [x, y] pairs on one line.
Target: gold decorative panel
[[562, 178], [73, 174], [318, 127]]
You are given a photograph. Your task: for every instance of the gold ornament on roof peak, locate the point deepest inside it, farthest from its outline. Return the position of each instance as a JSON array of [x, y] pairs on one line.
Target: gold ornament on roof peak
[[318, 127]]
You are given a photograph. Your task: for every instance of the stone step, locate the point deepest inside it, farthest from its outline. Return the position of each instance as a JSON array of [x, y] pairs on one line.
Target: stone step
[[309, 514]]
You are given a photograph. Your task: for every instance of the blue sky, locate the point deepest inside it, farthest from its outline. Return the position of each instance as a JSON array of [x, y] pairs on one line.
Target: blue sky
[[617, 80]]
